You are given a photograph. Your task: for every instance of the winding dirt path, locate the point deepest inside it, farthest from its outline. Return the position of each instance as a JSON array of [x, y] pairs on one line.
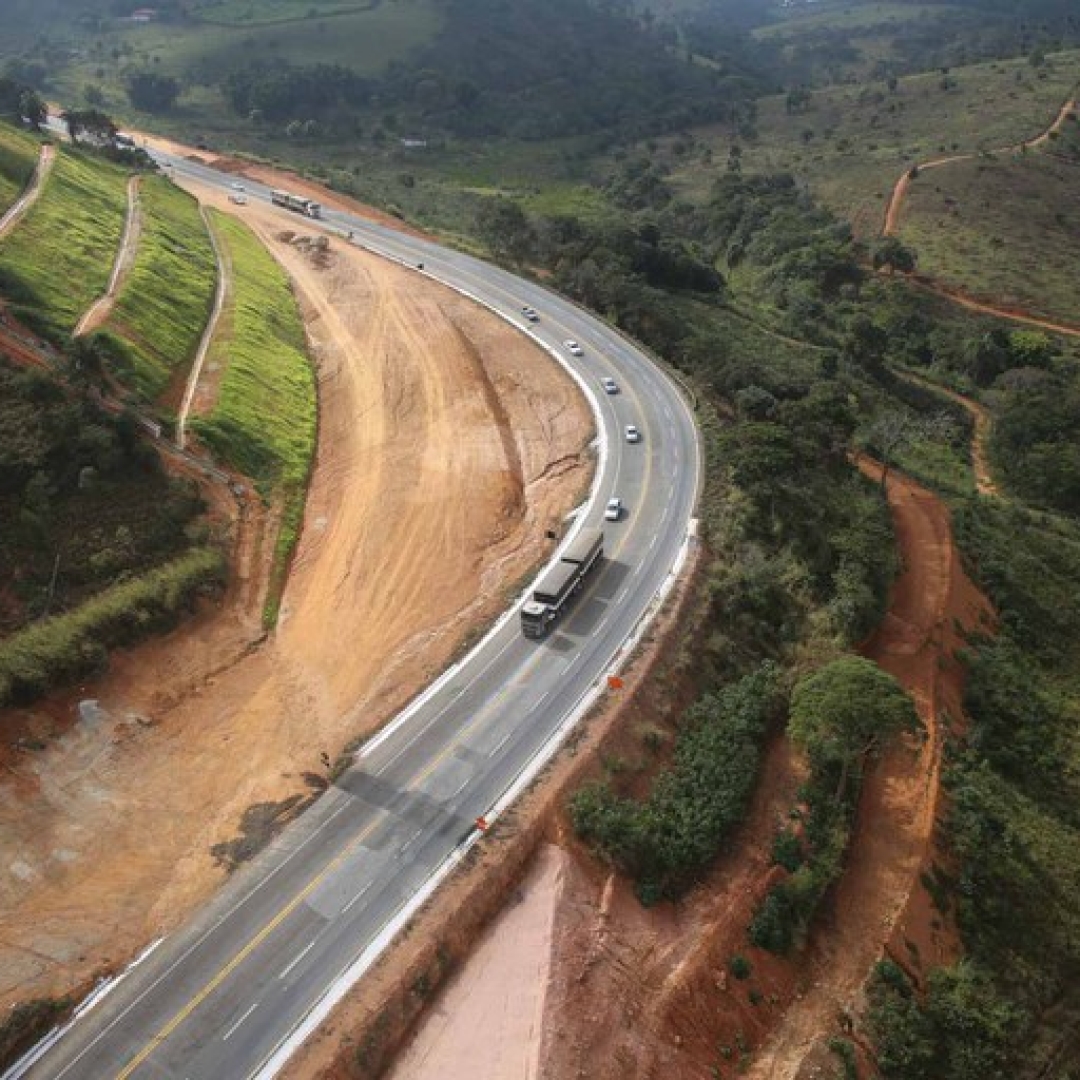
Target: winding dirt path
[[980, 440], [900, 189], [956, 296], [19, 208], [221, 296], [933, 603], [99, 311]]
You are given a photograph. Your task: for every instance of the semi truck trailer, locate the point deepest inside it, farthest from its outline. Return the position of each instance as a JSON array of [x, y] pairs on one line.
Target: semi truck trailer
[[556, 588], [307, 207]]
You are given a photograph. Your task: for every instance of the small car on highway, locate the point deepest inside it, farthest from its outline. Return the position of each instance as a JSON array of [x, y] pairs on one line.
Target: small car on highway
[[530, 314], [609, 384], [573, 347], [632, 434], [613, 510]]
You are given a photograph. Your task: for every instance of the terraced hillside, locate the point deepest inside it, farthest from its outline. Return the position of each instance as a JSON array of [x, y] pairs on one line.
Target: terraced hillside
[[264, 420], [154, 330], [18, 156], [58, 259]]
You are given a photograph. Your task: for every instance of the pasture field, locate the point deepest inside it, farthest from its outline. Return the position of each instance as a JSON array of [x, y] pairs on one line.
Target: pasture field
[[365, 40], [252, 13], [164, 304], [18, 156], [58, 259], [851, 143], [264, 422], [1002, 228]]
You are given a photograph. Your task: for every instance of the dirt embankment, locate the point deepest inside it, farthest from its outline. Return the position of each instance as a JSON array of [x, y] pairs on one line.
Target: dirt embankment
[[415, 523], [650, 994]]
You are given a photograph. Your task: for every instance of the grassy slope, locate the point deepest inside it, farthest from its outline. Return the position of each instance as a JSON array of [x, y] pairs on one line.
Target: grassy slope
[[18, 156], [364, 40], [264, 422], [1004, 229], [58, 259], [861, 138], [162, 310]]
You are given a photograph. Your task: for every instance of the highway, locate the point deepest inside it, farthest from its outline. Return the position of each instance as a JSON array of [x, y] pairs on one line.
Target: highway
[[231, 994]]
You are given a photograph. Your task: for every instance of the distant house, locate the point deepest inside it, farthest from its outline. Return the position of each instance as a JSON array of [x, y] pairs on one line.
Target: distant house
[[414, 144], [143, 15]]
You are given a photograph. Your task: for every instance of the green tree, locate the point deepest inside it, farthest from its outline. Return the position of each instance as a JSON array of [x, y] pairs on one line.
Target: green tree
[[845, 710]]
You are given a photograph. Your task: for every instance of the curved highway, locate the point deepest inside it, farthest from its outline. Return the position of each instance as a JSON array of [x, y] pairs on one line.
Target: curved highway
[[232, 993]]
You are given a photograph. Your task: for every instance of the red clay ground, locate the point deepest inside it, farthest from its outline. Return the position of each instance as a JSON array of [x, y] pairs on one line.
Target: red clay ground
[[647, 994], [448, 444]]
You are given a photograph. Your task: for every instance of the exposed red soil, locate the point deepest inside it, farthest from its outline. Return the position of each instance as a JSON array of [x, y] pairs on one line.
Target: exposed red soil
[[648, 994], [417, 519]]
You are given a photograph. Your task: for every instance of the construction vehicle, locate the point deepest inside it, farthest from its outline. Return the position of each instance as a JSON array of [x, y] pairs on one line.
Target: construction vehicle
[[556, 588], [296, 203]]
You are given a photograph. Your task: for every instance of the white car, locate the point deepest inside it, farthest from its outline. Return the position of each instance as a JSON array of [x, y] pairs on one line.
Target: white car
[[613, 510], [236, 186], [632, 434], [574, 348], [238, 199], [530, 314], [610, 385]]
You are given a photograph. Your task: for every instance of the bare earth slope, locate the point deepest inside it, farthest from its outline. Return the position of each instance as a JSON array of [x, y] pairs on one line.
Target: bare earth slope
[[448, 444]]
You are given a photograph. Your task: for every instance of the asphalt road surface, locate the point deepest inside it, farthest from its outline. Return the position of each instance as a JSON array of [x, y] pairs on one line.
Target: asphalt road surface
[[229, 996]]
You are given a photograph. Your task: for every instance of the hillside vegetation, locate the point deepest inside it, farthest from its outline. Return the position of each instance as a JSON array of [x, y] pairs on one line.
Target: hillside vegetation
[[1003, 227], [58, 259], [263, 422], [18, 157], [96, 540], [155, 327]]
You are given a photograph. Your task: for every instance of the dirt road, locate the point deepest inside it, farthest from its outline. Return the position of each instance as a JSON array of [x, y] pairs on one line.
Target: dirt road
[[447, 445], [900, 189]]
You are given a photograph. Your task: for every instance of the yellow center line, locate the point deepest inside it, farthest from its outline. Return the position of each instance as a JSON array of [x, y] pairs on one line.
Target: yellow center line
[[297, 900]]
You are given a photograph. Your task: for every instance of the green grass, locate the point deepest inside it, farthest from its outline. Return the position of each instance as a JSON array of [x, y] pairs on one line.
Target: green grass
[[58, 259], [264, 422], [67, 647], [198, 52], [846, 16], [1003, 229], [18, 156], [853, 142], [161, 311]]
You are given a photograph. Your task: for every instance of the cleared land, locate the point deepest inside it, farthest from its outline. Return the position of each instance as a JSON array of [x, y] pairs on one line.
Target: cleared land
[[1003, 229], [418, 521], [850, 142], [159, 315], [18, 158], [57, 261]]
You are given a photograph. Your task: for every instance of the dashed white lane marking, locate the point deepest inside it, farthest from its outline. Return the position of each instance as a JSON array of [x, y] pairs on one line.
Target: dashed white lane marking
[[232, 1031], [296, 961], [357, 897]]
